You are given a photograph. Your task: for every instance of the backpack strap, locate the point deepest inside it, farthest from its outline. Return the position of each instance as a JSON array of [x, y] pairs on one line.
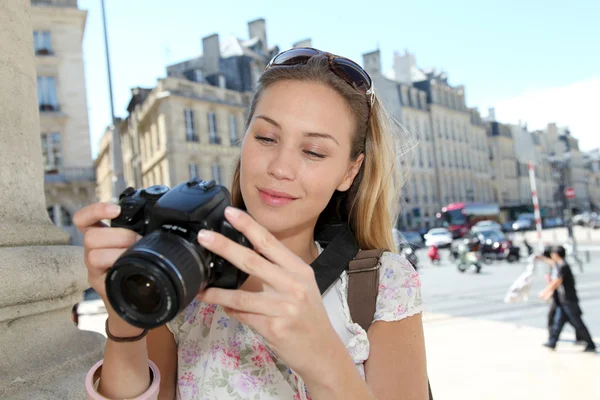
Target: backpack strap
[[363, 286]]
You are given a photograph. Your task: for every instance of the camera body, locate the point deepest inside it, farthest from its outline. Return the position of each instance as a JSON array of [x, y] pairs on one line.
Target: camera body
[[161, 274]]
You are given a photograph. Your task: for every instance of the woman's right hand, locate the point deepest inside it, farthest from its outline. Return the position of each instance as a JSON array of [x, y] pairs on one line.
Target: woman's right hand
[[102, 245]]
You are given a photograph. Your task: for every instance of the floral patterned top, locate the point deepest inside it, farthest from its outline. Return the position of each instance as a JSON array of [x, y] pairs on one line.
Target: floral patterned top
[[219, 358]]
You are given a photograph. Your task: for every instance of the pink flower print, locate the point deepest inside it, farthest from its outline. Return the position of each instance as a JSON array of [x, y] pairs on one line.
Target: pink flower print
[[244, 384], [263, 353], [306, 395], [401, 310], [230, 359], [412, 282], [190, 352], [258, 361], [188, 386], [207, 314]]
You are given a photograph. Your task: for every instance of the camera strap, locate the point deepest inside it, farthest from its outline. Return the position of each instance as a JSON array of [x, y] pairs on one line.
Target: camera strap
[[339, 248]]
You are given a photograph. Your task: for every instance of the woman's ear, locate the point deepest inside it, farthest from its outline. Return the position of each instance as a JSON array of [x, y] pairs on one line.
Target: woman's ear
[[353, 169]]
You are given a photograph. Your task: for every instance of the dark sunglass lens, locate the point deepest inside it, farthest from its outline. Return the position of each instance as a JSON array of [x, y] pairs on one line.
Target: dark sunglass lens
[[294, 57], [353, 74]]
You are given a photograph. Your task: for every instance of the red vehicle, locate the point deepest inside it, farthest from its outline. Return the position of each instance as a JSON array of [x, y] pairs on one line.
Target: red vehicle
[[434, 254], [459, 218]]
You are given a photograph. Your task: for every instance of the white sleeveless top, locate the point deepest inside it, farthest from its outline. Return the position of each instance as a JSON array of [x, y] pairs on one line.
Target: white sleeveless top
[[219, 358]]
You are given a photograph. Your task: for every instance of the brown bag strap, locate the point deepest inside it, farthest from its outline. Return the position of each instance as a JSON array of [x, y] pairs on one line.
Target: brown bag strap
[[363, 286]]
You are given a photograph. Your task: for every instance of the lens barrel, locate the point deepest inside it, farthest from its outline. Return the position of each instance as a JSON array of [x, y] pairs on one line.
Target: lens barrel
[[156, 278]]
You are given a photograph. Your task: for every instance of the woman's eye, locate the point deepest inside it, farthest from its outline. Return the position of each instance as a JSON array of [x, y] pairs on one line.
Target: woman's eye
[[313, 154], [264, 139]]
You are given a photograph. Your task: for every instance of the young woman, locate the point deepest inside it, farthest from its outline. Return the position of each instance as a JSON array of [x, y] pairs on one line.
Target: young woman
[[317, 139]]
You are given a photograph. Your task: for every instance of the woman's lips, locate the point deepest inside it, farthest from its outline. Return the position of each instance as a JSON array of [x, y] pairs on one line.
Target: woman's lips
[[275, 198]]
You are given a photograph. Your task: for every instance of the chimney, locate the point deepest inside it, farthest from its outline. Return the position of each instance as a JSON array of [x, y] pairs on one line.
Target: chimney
[[372, 62], [258, 28], [211, 54], [303, 43], [403, 65]]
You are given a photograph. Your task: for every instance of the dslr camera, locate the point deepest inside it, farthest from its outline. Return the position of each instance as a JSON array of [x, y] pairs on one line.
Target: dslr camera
[[161, 274]]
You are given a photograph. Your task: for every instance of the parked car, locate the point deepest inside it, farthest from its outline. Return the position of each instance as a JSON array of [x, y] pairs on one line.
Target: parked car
[[525, 222], [439, 237], [553, 222], [507, 226], [582, 219], [486, 226], [494, 245]]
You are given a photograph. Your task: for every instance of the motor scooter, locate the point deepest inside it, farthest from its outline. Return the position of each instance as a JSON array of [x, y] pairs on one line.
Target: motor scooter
[[469, 257], [434, 254]]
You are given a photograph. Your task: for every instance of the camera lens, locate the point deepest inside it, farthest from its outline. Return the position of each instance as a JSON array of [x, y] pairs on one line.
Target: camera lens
[[156, 278], [141, 293]]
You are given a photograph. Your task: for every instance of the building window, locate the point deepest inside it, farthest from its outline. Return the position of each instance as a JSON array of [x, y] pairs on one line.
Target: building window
[[221, 80], [190, 126], [51, 150], [212, 128], [194, 170], [198, 76], [42, 43], [233, 135], [47, 99], [216, 173]]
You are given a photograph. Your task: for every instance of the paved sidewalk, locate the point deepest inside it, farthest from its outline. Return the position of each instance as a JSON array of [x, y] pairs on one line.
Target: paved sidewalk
[[475, 359], [487, 360]]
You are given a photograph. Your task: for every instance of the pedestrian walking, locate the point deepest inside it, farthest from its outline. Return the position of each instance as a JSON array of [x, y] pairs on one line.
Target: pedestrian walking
[[561, 289]]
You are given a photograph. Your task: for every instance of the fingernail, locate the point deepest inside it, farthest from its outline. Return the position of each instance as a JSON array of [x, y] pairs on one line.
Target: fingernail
[[205, 236], [114, 209], [232, 212]]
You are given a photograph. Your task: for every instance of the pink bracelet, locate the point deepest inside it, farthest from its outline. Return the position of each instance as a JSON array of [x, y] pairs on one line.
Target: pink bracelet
[[93, 379]]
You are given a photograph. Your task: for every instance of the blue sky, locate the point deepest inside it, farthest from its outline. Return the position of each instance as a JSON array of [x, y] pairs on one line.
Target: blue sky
[[536, 61]]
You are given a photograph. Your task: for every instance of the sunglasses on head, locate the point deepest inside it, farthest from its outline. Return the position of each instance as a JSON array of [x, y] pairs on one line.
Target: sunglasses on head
[[348, 70]]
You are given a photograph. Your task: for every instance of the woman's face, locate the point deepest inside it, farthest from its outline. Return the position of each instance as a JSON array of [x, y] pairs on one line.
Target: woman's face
[[295, 154]]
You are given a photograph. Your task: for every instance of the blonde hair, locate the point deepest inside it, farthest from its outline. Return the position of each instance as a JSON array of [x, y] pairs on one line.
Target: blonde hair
[[370, 205]]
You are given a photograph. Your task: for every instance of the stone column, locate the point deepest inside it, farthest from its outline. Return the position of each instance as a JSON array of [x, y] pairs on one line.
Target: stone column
[[42, 354]]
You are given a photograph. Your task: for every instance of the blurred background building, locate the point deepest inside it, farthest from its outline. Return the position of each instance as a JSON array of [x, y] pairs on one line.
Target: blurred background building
[[191, 123], [69, 174]]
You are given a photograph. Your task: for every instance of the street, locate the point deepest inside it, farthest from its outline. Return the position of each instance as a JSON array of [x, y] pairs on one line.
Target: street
[[478, 347]]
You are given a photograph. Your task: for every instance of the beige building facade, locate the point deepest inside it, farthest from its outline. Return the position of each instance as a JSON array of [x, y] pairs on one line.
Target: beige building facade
[[449, 159], [176, 131], [69, 176]]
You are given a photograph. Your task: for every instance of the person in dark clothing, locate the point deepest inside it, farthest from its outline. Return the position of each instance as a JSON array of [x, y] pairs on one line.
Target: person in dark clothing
[[561, 289], [552, 311]]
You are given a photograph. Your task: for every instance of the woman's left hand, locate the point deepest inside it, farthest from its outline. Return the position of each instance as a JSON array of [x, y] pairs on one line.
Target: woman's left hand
[[289, 312]]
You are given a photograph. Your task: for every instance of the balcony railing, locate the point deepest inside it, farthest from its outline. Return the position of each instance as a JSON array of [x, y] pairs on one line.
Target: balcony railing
[[49, 107], [55, 3], [72, 174], [44, 52]]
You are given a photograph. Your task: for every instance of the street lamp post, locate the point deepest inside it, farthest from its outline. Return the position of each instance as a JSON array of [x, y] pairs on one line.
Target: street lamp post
[[116, 156], [560, 169]]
